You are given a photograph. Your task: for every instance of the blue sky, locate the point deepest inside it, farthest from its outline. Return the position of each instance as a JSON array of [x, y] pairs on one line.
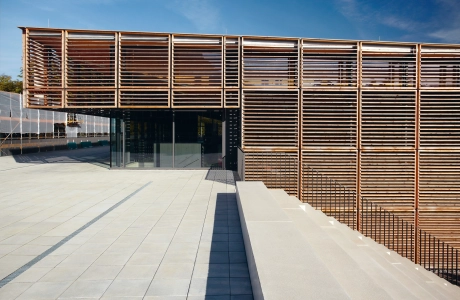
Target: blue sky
[[435, 21]]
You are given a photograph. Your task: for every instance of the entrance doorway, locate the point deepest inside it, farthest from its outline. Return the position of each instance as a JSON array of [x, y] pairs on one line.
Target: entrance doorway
[[167, 139]]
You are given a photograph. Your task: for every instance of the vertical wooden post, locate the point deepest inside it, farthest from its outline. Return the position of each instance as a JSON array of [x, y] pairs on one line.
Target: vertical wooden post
[[66, 71], [358, 138], [170, 67], [117, 68], [63, 66], [417, 156], [242, 94], [300, 117]]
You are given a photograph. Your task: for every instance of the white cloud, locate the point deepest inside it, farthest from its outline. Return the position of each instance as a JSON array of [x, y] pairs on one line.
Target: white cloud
[[442, 24], [450, 35], [202, 13], [400, 23]]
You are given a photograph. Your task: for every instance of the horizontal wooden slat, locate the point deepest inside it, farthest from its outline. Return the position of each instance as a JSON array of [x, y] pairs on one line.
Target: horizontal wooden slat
[[90, 63], [270, 118], [440, 195], [270, 63], [388, 66], [197, 63], [439, 119], [388, 119], [44, 98], [329, 65], [232, 62], [92, 98], [197, 98], [232, 99], [44, 59], [329, 118], [387, 179], [276, 170], [440, 67], [144, 98], [144, 61], [338, 166]]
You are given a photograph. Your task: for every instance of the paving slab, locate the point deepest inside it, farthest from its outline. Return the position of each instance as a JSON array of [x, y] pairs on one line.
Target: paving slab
[[115, 234]]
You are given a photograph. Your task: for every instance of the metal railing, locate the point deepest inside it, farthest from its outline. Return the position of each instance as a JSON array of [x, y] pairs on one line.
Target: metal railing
[[387, 228], [329, 196], [340, 202], [438, 257], [381, 225], [277, 170]]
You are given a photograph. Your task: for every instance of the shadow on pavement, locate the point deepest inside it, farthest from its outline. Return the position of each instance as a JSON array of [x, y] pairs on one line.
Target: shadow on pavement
[[228, 275], [99, 156]]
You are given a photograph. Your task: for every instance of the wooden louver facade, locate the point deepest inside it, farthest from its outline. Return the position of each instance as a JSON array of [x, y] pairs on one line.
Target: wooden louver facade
[[380, 118]]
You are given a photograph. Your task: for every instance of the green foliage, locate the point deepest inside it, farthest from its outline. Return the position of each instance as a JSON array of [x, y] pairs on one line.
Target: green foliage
[[9, 85]]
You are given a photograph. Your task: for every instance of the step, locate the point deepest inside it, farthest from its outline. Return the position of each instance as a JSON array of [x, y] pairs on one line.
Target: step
[[394, 258], [404, 269], [356, 282], [357, 239], [274, 248], [315, 229]]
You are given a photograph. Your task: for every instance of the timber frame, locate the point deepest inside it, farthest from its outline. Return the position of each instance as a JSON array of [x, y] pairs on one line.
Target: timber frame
[[381, 118]]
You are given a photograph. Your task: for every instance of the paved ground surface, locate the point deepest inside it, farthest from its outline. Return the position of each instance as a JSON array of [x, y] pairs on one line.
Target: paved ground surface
[[79, 230]]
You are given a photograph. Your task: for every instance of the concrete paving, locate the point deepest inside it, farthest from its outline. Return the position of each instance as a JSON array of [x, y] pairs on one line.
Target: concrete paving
[[70, 228]]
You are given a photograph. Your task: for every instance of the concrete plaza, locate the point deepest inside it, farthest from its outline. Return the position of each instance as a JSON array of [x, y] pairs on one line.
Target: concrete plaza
[[70, 228]]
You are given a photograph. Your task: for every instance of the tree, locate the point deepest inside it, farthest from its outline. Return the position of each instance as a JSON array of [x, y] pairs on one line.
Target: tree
[[9, 85]]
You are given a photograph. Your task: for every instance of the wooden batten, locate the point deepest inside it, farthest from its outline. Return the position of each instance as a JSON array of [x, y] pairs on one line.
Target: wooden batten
[[382, 120], [329, 65]]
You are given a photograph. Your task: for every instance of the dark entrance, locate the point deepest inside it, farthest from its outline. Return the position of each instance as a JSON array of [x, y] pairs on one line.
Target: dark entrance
[[168, 139]]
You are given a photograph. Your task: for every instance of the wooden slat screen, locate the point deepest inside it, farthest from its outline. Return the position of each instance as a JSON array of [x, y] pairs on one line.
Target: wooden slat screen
[[440, 119], [144, 61], [329, 65], [197, 98], [232, 99], [90, 60], [144, 98], [387, 179], [440, 195], [329, 118], [276, 170], [270, 63], [44, 98], [232, 62], [197, 62], [339, 166], [388, 66], [440, 67], [90, 98], [270, 118], [44, 56], [388, 119]]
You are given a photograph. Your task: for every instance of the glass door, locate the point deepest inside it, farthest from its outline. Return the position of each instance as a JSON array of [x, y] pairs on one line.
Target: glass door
[[198, 139]]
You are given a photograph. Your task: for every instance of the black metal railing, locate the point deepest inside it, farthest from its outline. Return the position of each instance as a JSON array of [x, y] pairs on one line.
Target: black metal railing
[[329, 196], [277, 170], [438, 257], [387, 229], [381, 225]]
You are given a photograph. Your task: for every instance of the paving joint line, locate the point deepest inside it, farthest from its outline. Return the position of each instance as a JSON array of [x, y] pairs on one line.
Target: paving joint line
[[28, 265]]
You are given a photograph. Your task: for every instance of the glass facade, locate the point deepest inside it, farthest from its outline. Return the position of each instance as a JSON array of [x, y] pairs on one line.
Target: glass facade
[[24, 130], [167, 139]]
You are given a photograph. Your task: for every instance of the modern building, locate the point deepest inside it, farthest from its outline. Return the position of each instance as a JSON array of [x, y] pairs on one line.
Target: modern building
[[381, 120]]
